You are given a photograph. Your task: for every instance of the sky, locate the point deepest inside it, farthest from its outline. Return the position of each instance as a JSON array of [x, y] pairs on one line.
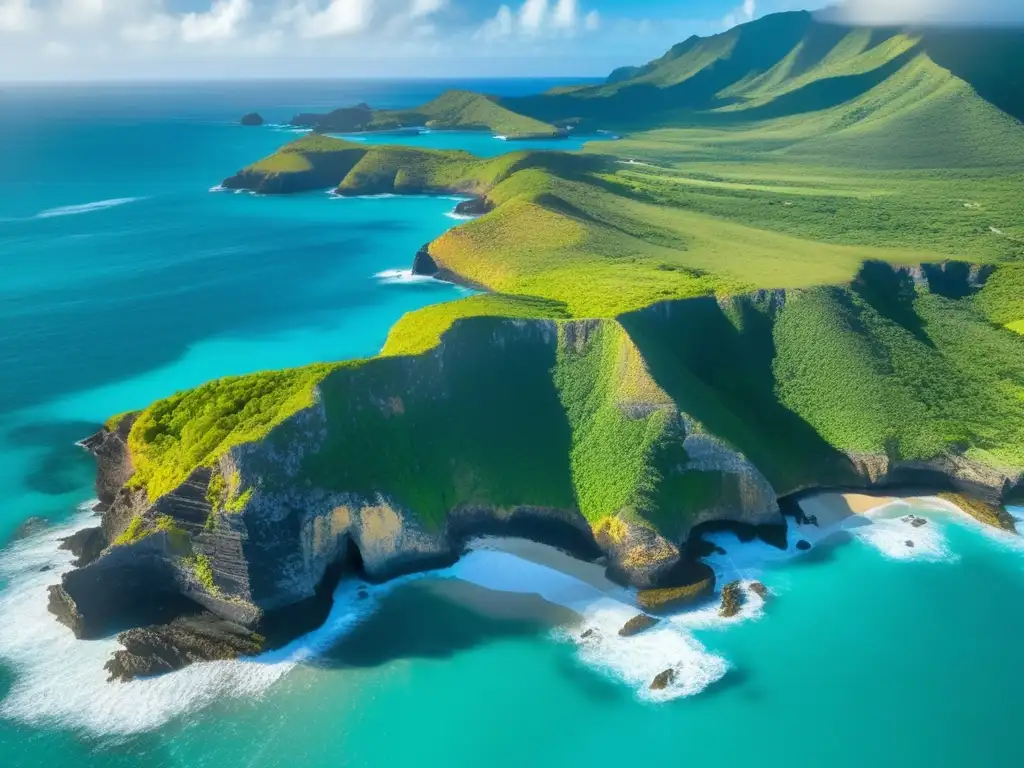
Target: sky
[[214, 39]]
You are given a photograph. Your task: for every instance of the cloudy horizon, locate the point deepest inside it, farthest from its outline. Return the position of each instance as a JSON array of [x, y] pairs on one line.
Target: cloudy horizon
[[228, 39]]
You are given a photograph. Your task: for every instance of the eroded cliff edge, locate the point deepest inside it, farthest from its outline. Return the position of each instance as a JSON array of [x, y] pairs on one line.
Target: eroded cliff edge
[[614, 438]]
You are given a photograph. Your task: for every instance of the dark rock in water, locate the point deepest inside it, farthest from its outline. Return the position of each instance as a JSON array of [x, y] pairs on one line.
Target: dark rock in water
[[918, 522], [677, 598], [759, 589], [186, 640], [663, 680], [732, 599], [253, 118], [478, 206], [423, 263], [362, 594], [30, 527], [46, 568], [910, 543], [637, 624], [128, 586], [803, 545], [86, 545], [588, 634]]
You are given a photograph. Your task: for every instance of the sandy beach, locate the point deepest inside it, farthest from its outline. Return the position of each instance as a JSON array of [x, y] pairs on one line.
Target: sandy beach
[[830, 508]]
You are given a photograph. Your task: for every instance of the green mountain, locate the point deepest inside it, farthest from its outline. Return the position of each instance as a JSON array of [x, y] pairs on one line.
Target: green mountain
[[793, 84]]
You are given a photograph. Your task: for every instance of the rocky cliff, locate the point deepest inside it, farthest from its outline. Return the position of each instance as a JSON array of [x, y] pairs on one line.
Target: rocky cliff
[[610, 438]]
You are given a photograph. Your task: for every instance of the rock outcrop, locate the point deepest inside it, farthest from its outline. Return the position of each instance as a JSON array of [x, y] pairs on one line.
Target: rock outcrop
[[252, 119], [638, 624], [186, 640], [732, 599]]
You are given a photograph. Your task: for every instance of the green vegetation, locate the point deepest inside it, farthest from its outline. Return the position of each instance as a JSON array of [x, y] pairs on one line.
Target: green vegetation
[[202, 569], [419, 331], [465, 110], [136, 531], [114, 421], [139, 528], [173, 437], [766, 252]]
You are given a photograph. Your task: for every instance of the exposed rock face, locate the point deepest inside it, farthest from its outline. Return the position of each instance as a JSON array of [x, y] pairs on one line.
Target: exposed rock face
[[252, 119], [638, 624], [478, 206], [676, 598], [803, 545], [186, 640], [86, 545], [663, 680], [127, 586], [345, 120], [760, 590], [113, 462], [732, 599]]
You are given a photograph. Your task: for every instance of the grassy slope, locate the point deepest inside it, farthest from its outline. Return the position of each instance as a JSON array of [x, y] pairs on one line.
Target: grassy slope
[[819, 150], [466, 110]]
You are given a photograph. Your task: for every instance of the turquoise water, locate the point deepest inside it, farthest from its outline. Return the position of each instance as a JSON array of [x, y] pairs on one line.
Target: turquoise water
[[126, 279], [476, 142]]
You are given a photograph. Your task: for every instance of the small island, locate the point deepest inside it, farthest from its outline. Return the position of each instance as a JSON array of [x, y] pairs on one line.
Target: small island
[[252, 119]]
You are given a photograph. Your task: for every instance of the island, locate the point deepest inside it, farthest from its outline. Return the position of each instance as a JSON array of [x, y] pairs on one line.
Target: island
[[252, 119], [782, 278]]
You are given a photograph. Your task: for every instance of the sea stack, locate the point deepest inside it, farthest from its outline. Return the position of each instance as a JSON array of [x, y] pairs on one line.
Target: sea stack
[[253, 118]]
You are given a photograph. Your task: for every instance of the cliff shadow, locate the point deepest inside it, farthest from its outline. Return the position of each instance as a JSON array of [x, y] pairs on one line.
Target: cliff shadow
[[717, 368], [437, 619]]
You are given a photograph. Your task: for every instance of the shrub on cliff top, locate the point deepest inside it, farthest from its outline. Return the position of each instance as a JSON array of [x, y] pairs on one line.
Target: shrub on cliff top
[[191, 429]]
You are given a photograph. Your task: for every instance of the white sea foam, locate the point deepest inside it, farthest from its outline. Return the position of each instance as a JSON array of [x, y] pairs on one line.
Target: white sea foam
[[402, 277], [74, 210], [459, 216], [61, 679], [635, 660], [219, 188]]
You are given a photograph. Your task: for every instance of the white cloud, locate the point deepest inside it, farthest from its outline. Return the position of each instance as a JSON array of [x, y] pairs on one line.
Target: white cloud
[[928, 11], [422, 8], [565, 15], [221, 22], [536, 19], [740, 15], [337, 19], [532, 15], [502, 25], [16, 16]]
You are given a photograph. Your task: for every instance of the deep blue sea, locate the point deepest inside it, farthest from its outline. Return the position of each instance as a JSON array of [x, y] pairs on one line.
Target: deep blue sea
[[125, 278]]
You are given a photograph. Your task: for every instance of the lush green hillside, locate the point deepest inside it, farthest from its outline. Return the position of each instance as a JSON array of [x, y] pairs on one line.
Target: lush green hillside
[[741, 271], [465, 110], [788, 84], [452, 110]]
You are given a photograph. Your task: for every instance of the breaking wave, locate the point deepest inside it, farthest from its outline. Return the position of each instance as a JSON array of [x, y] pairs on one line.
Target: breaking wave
[[74, 210]]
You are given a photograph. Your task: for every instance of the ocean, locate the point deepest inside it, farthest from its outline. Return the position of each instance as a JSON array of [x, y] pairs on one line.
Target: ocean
[[127, 277]]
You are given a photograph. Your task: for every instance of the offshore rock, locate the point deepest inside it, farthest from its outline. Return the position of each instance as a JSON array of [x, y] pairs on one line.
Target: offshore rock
[[663, 680], [252, 119], [186, 640], [638, 624], [86, 545], [478, 206], [732, 599], [759, 589]]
